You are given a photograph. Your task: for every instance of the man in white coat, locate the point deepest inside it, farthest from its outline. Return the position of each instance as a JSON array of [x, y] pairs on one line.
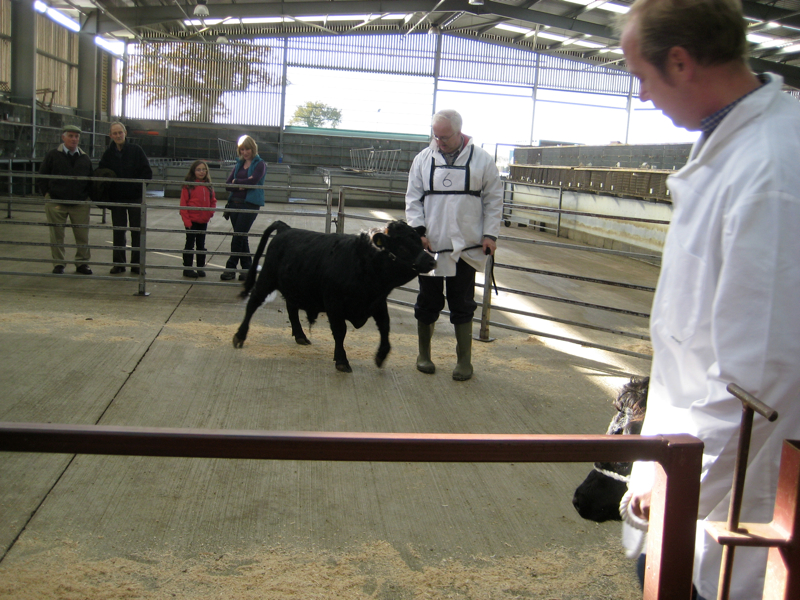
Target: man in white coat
[[727, 307], [455, 200]]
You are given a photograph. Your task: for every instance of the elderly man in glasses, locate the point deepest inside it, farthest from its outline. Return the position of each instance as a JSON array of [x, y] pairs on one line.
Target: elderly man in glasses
[[455, 201]]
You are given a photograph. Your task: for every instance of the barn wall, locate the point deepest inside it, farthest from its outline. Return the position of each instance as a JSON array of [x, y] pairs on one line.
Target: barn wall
[[600, 232]]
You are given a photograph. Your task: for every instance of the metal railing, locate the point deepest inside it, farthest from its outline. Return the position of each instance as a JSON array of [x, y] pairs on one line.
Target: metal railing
[[369, 161], [149, 272], [26, 205], [488, 306], [670, 548]]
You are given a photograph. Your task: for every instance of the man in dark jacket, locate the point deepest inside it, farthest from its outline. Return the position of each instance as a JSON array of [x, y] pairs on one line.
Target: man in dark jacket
[[68, 160], [127, 161]]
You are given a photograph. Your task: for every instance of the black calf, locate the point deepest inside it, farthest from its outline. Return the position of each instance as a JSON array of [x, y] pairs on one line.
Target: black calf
[[348, 277]]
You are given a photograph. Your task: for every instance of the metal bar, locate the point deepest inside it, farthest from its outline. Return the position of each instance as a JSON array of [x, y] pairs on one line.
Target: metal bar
[[673, 521], [560, 211], [580, 248], [10, 188], [783, 564], [749, 404], [734, 511], [328, 209], [576, 277], [486, 304], [338, 446], [340, 214], [143, 244], [621, 311], [560, 204], [534, 315], [675, 494], [757, 405]]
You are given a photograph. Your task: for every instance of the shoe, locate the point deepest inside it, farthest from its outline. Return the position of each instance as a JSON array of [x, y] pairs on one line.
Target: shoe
[[115, 270], [135, 270], [58, 270], [190, 273], [201, 273], [227, 276], [242, 276], [83, 270]]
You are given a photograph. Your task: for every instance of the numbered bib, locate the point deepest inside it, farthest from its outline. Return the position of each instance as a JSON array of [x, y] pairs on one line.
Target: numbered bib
[[450, 179]]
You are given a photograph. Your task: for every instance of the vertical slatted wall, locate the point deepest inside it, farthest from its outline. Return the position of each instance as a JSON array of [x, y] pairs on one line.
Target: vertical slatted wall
[[5, 45], [57, 61], [220, 83]]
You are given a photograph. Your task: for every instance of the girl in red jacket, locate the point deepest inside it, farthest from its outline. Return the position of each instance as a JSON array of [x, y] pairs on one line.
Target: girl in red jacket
[[196, 221]]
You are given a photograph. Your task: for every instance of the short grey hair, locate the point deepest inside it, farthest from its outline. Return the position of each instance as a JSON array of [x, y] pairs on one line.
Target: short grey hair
[[448, 115], [124, 129]]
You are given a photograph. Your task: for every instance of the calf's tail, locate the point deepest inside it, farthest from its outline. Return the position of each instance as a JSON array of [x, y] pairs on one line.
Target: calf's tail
[[278, 226]]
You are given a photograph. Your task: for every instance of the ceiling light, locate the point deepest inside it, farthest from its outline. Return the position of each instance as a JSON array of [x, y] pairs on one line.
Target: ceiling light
[[512, 28], [553, 36], [222, 40], [586, 44], [476, 2], [200, 9]]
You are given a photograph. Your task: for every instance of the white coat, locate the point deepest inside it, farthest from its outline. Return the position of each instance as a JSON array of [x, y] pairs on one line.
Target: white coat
[[727, 310], [470, 208]]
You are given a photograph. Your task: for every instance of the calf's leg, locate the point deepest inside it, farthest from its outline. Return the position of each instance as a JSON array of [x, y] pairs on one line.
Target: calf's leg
[[381, 316], [339, 330], [297, 329], [256, 299]]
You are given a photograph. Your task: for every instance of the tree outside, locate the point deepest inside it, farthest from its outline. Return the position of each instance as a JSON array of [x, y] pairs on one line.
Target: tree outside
[[191, 78], [316, 114]]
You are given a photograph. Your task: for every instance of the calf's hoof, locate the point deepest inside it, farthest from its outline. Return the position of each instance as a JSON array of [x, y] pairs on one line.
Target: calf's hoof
[[303, 341], [380, 357], [343, 367], [237, 343]]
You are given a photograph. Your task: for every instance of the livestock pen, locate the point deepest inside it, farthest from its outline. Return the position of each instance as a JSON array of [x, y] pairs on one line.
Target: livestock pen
[[92, 351]]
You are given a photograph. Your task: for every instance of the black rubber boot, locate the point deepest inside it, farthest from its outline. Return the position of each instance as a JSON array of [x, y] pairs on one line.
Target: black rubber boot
[[424, 334], [463, 370]]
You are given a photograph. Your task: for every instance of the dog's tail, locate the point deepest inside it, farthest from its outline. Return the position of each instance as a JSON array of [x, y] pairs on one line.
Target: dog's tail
[[252, 274]]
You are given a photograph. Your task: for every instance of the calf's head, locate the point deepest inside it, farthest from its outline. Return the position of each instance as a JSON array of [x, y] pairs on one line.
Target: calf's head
[[598, 497], [404, 246]]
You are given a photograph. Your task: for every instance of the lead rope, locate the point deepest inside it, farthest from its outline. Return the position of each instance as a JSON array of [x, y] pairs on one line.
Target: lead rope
[[494, 283]]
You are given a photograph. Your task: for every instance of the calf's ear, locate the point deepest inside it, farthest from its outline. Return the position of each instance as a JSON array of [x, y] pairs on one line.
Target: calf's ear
[[379, 239]]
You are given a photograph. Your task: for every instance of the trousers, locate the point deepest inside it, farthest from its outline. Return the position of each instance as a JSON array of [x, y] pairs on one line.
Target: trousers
[[241, 222], [460, 296], [195, 239], [121, 216], [57, 215]]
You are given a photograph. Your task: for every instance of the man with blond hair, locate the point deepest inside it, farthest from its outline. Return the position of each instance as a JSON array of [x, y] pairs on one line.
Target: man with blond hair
[[727, 304]]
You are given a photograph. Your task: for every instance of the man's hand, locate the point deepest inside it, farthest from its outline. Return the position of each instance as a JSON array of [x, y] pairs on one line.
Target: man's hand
[[489, 246], [426, 245], [640, 506]]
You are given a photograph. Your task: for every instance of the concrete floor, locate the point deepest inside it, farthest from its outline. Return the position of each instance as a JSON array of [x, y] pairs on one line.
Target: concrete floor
[[90, 351]]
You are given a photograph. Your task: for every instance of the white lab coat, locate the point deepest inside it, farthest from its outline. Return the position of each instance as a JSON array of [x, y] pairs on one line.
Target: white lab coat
[[727, 310], [459, 220]]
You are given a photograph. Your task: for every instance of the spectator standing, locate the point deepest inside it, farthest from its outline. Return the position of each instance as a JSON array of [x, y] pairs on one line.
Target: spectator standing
[[250, 169], [196, 221], [726, 306], [68, 160], [128, 161], [455, 200]]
